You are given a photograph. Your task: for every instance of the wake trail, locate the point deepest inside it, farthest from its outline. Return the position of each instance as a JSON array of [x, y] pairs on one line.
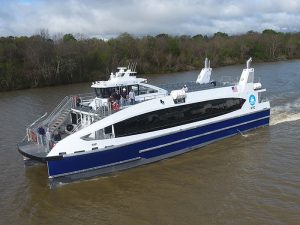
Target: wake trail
[[288, 112], [283, 117]]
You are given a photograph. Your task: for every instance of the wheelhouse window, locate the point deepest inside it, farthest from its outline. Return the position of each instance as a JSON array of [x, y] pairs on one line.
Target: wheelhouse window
[[104, 92], [176, 116], [107, 92]]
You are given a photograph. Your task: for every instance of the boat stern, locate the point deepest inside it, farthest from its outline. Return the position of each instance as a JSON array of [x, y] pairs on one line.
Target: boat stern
[[33, 151]]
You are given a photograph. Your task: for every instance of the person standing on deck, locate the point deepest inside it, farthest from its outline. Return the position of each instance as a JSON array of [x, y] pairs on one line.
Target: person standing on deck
[[41, 132], [124, 97], [48, 139], [132, 97], [118, 97]]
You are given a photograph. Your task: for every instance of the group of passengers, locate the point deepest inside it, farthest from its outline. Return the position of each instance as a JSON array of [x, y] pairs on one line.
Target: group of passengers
[[45, 137], [123, 98]]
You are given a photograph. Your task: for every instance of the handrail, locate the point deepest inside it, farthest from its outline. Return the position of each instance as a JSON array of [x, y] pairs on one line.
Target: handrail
[[67, 105], [58, 108], [31, 125], [146, 98], [76, 127]]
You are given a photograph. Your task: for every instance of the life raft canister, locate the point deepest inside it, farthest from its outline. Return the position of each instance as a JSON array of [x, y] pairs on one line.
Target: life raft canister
[[115, 106]]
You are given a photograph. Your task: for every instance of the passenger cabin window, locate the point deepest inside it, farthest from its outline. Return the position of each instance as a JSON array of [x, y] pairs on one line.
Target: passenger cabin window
[[135, 88], [101, 134], [108, 130], [176, 116], [146, 90]]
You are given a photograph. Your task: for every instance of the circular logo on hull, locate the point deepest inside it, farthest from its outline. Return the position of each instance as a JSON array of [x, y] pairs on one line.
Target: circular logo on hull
[[252, 100]]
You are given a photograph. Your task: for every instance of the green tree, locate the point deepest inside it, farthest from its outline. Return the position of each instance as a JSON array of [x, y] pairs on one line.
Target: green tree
[[69, 37]]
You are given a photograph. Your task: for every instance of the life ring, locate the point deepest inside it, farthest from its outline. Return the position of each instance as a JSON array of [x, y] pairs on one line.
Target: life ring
[[115, 106], [69, 127]]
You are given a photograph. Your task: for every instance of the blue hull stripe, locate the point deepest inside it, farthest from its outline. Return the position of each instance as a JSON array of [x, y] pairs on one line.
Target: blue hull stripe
[[96, 159]]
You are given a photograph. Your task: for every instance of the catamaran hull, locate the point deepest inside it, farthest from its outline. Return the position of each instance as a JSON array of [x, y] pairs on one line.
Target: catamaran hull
[[94, 163]]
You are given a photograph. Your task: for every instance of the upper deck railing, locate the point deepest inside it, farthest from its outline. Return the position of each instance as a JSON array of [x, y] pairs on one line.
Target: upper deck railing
[[193, 86]]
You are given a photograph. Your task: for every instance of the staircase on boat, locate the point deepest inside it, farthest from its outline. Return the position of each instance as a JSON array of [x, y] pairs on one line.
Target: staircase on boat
[[63, 111], [60, 114]]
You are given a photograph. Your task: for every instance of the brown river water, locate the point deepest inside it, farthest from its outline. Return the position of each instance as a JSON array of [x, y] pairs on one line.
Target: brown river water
[[252, 178]]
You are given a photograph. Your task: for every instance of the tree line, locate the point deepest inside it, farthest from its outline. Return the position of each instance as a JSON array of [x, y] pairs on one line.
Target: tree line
[[41, 60]]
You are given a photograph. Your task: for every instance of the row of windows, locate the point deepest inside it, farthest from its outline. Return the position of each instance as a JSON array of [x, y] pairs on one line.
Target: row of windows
[[175, 116], [138, 89]]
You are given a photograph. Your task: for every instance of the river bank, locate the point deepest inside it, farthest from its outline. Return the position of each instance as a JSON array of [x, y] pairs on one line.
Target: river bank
[[148, 75], [43, 60]]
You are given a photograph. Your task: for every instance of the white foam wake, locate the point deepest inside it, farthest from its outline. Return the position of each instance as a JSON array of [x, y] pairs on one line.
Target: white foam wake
[[283, 117], [286, 113]]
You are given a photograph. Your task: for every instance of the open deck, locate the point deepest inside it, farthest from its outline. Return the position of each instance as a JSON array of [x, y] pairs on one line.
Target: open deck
[[33, 150]]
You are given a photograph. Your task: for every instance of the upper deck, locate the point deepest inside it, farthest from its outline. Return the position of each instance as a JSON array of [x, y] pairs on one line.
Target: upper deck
[[123, 76]]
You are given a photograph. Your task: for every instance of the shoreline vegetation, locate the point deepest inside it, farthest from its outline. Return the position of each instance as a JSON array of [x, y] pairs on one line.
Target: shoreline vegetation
[[43, 60]]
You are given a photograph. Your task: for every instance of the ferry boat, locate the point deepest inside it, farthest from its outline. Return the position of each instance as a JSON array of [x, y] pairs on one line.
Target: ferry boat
[[91, 134]]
